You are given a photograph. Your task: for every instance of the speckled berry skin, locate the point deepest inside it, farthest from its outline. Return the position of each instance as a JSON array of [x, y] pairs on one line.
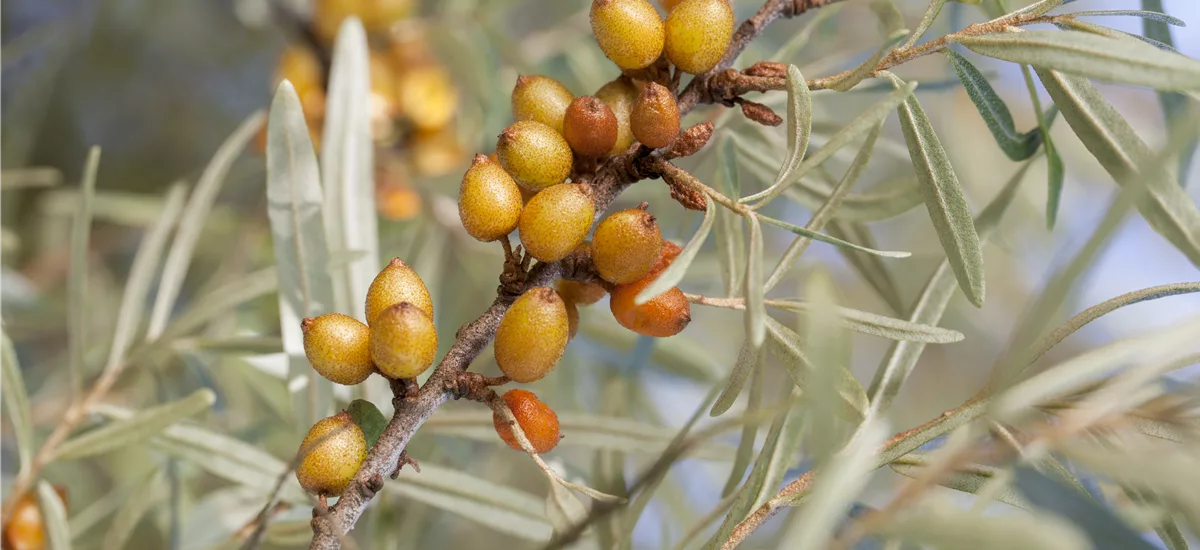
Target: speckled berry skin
[[541, 99], [620, 95], [655, 117], [630, 32], [489, 201], [534, 154], [669, 4], [556, 220], [532, 335], [397, 283], [698, 34], [338, 347], [331, 454], [626, 245], [590, 127], [403, 341], [583, 294], [665, 315], [537, 421]]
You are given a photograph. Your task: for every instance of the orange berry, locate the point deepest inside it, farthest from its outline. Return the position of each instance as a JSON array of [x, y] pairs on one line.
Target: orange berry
[[397, 202], [425, 95], [630, 32], [620, 95], [403, 341], [397, 283], [541, 99], [669, 4], [331, 454], [26, 529], [626, 245], [338, 347], [666, 255], [556, 220], [590, 127], [537, 421], [698, 33], [665, 315], [532, 335], [572, 319], [655, 117], [437, 152], [580, 293], [534, 154], [489, 201]]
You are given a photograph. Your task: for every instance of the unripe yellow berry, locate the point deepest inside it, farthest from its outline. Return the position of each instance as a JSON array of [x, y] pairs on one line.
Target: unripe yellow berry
[[620, 95], [532, 335], [626, 245], [338, 347], [630, 32], [397, 283], [436, 152], [542, 99], [556, 220], [534, 154], [377, 15], [590, 127], [489, 201], [580, 293], [330, 455], [698, 33], [669, 4], [537, 421], [425, 95], [655, 117], [403, 341]]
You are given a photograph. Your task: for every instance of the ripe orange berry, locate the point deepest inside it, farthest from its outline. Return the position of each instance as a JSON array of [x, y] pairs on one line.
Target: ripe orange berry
[[397, 202], [331, 454], [665, 315], [489, 201], [620, 95], [338, 347], [655, 117], [556, 220], [532, 335], [541, 99], [537, 421], [590, 127], [630, 32], [580, 293], [698, 33], [403, 341], [397, 283], [666, 255], [626, 245], [26, 530], [534, 154]]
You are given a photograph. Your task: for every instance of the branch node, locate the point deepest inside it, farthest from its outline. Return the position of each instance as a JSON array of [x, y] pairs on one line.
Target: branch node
[[690, 141]]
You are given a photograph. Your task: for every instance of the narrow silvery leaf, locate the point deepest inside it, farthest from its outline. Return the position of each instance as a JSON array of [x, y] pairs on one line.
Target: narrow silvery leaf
[[81, 232], [931, 13], [800, 38], [1070, 24], [294, 206], [1055, 174], [146, 495], [890, 17], [54, 517], [745, 449], [953, 529], [995, 113], [882, 202], [731, 243], [563, 508], [1091, 55], [1106, 530], [944, 199], [856, 75], [139, 427], [786, 345], [756, 313], [16, 401], [347, 169], [486, 502], [838, 487], [1150, 14], [1173, 105], [799, 113], [747, 362], [222, 300], [834, 241], [828, 351], [870, 267], [882, 325], [970, 478], [1171, 476], [1162, 202], [678, 268], [192, 221]]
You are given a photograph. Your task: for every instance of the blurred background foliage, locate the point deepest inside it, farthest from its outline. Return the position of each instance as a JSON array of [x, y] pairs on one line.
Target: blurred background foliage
[[158, 85]]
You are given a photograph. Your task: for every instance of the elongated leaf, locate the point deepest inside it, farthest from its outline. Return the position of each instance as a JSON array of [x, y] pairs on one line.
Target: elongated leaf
[[563, 508], [870, 268], [191, 223], [1155, 15], [16, 401], [347, 168], [881, 325], [222, 300], [882, 202], [745, 450], [1165, 206], [1091, 55], [731, 243], [995, 113], [139, 427], [838, 487], [54, 517], [678, 268], [785, 343], [755, 310], [747, 361], [483, 501], [1173, 105], [853, 77], [944, 199], [831, 240], [367, 417], [671, 354], [1169, 474], [148, 493], [954, 529], [828, 348], [800, 38], [889, 16], [799, 115], [970, 478], [81, 232], [1105, 530], [1069, 24], [931, 13]]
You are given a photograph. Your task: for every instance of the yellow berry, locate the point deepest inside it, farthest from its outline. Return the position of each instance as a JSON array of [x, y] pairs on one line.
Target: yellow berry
[[655, 117], [590, 127], [556, 220], [403, 341], [626, 245], [382, 107], [338, 347], [665, 315], [532, 335], [383, 14], [620, 95], [489, 201], [537, 421], [397, 283], [630, 32], [698, 33], [377, 15], [436, 152], [300, 66], [541, 99], [669, 4], [425, 95], [534, 154], [572, 319], [580, 293], [330, 455]]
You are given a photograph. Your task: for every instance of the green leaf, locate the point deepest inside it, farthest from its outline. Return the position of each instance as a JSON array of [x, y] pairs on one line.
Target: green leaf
[[54, 517], [1152, 15], [347, 168], [755, 310], [1162, 202], [850, 79], [146, 495], [800, 38], [1091, 55], [831, 240], [1106, 530], [1055, 175], [481, 500], [995, 113], [880, 325], [799, 115], [931, 13], [1169, 474], [730, 241], [871, 268], [563, 508], [786, 345], [745, 449], [81, 231], [16, 401], [952, 529], [221, 300], [944, 199], [969, 478], [139, 427], [890, 17], [828, 349], [674, 273], [748, 360], [367, 416], [1174, 106], [882, 202]]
